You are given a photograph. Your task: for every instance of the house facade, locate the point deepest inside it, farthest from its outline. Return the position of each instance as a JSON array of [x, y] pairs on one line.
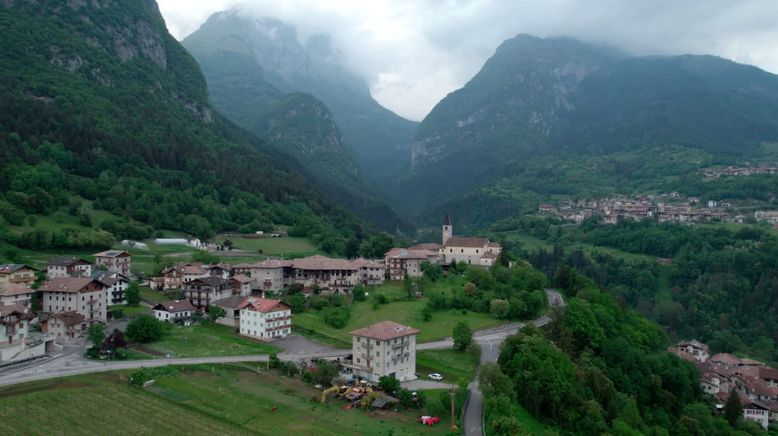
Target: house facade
[[384, 349], [231, 306], [16, 293], [65, 327], [200, 292], [174, 311], [401, 261], [16, 273], [68, 267], [118, 261], [14, 331], [265, 319], [116, 285], [82, 295], [324, 273]]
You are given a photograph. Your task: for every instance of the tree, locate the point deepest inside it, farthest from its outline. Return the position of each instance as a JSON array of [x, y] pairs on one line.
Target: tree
[[463, 336], [336, 317], [389, 384], [733, 408], [376, 246], [132, 294], [323, 372], [499, 308], [215, 312], [294, 288], [426, 313], [359, 292], [493, 382], [113, 341], [145, 329], [406, 398], [432, 271], [96, 334]]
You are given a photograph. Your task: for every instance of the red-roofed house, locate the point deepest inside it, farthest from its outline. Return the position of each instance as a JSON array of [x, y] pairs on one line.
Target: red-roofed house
[[265, 319]]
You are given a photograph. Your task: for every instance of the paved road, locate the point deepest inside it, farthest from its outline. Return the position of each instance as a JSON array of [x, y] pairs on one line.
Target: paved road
[[419, 384], [490, 342]]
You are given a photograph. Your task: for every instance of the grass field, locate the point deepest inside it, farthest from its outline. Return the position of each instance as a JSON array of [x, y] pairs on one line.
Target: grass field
[[202, 400], [131, 311], [273, 246], [406, 312], [204, 340], [452, 365]]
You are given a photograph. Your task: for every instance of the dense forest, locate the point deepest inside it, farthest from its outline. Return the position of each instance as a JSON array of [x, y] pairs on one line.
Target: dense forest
[[598, 369], [709, 282], [101, 108]]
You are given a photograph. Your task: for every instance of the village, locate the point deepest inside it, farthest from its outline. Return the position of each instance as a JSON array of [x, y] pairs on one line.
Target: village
[[738, 171], [666, 207], [724, 374], [43, 311]]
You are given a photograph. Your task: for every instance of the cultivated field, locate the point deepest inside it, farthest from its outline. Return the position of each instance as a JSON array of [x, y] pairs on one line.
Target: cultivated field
[[199, 400], [284, 246], [204, 340]]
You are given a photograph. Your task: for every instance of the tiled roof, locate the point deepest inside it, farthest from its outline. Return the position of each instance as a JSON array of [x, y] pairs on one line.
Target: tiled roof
[[210, 281], [241, 278], [232, 302], [426, 246], [67, 261], [8, 309], [67, 318], [385, 330], [693, 343], [406, 253], [112, 253], [11, 289], [272, 263], [8, 268], [725, 358], [263, 305], [175, 306], [66, 284], [322, 263], [467, 242]]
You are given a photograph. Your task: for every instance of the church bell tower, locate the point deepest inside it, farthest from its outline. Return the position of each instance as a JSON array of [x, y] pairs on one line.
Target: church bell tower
[[448, 229]]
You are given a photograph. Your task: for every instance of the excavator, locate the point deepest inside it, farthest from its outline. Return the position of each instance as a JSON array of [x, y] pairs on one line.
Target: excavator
[[327, 392]]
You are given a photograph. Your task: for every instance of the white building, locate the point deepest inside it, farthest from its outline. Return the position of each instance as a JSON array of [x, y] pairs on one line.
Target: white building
[[118, 261], [116, 285], [265, 319], [472, 251], [16, 293], [14, 332], [68, 267], [172, 311], [384, 349], [83, 295], [694, 348]]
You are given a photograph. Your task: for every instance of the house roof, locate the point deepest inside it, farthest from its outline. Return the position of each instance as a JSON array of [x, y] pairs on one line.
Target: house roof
[[750, 362], [8, 268], [694, 343], [67, 284], [725, 358], [67, 318], [272, 263], [466, 242], [241, 278], [175, 306], [406, 253], [210, 281], [426, 246], [67, 261], [232, 302], [112, 253], [8, 309], [758, 386], [767, 373], [263, 305], [10, 289], [385, 330], [319, 262]]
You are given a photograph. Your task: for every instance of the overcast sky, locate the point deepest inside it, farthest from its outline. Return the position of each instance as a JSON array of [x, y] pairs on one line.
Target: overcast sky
[[414, 52]]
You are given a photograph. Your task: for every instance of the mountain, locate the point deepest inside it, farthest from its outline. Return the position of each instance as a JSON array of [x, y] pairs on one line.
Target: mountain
[[267, 53], [298, 128], [101, 107], [558, 116]]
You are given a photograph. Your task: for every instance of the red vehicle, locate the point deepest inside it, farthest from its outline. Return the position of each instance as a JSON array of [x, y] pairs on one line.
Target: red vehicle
[[429, 420]]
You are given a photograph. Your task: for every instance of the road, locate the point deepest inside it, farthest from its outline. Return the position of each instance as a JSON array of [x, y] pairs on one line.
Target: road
[[490, 342]]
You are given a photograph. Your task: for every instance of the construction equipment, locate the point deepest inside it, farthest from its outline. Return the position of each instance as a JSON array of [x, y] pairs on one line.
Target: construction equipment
[[325, 393]]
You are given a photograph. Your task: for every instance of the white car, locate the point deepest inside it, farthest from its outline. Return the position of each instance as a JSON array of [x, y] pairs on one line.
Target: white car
[[435, 376]]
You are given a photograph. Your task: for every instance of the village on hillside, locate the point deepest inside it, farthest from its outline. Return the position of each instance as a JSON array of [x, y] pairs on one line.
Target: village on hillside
[[667, 207], [724, 374]]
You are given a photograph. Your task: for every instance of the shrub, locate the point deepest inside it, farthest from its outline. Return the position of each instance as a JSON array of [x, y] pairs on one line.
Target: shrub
[[145, 329], [336, 317]]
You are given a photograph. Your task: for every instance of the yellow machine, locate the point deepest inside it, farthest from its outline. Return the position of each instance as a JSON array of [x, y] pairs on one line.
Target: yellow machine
[[328, 391]]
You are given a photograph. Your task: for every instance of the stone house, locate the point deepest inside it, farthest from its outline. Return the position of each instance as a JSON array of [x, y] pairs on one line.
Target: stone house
[[16, 273]]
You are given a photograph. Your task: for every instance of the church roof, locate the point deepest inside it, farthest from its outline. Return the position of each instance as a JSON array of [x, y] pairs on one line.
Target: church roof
[[447, 220]]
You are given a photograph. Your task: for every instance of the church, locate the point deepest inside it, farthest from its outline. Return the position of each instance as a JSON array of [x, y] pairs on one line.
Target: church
[[473, 251]]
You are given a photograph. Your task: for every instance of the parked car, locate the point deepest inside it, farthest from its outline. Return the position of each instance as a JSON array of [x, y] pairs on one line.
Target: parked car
[[435, 376]]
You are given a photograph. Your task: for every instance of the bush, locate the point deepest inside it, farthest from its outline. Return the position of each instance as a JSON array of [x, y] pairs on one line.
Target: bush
[[359, 293], [389, 384], [336, 317], [145, 329], [317, 302], [380, 298]]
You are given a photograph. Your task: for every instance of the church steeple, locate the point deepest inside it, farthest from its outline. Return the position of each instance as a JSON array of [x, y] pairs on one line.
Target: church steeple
[[448, 229]]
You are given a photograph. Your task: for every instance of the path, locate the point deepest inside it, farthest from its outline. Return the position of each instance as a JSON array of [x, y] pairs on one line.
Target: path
[[473, 416]]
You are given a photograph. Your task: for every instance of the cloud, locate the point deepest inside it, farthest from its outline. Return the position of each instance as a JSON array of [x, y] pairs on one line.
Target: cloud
[[413, 52]]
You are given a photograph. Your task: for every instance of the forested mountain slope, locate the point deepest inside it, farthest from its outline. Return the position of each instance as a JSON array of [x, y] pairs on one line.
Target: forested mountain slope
[[100, 104]]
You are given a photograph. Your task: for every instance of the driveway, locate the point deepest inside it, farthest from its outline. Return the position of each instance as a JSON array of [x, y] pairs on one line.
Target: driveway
[[295, 344], [421, 384]]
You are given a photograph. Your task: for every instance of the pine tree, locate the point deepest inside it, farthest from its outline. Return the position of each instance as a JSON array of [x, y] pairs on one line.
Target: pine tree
[[733, 409]]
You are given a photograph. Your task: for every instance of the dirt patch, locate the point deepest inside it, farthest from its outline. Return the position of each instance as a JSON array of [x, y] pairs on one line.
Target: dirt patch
[[144, 349]]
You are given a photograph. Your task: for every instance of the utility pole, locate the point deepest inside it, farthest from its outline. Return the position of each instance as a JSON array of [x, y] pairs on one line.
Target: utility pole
[[453, 414]]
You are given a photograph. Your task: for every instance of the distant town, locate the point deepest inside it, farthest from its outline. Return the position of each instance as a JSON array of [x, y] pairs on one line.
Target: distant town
[[666, 207]]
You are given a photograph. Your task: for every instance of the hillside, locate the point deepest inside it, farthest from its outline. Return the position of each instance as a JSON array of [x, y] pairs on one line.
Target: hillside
[[265, 53], [557, 116], [102, 108]]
